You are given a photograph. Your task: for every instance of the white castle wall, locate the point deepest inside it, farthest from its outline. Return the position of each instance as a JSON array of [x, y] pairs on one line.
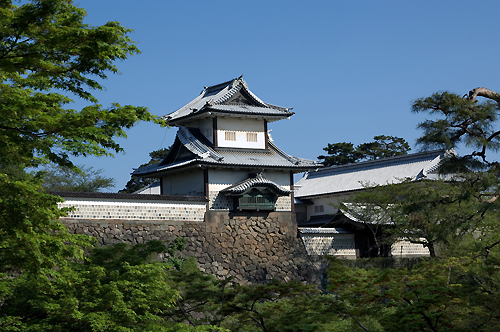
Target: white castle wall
[[336, 242], [106, 208], [241, 127], [321, 242], [408, 249]]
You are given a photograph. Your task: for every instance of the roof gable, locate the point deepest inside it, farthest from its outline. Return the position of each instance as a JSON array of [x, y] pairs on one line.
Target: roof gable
[[255, 181], [228, 98], [241, 98]]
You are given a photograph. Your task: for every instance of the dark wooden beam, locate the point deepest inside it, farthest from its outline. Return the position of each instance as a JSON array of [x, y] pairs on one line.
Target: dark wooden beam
[[292, 197], [205, 181], [266, 138], [214, 130]]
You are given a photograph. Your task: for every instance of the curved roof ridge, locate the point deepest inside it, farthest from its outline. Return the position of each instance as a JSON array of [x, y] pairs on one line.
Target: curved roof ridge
[[260, 101], [292, 159], [433, 165], [436, 163], [218, 95], [206, 90], [255, 181], [221, 85], [231, 92], [345, 178], [183, 108], [195, 146]]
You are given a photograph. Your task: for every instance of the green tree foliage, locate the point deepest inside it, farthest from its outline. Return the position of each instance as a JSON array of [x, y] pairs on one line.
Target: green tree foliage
[[438, 214], [274, 306], [442, 294], [118, 288], [135, 183], [46, 54], [45, 47], [382, 147], [31, 238], [456, 214], [83, 179], [456, 217], [471, 125]]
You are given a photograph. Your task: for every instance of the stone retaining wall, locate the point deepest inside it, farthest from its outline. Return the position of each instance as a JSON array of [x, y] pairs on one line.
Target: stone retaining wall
[[251, 249]]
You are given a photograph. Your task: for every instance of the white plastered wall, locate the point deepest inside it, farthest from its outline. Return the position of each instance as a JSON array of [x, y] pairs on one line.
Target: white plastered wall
[[327, 202], [339, 245], [127, 209], [241, 127]]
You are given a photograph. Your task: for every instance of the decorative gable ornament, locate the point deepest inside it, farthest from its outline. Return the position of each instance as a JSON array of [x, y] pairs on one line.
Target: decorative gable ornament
[[231, 98], [255, 193]]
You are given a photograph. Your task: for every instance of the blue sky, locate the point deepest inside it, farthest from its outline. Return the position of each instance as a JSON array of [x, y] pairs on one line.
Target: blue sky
[[349, 69]]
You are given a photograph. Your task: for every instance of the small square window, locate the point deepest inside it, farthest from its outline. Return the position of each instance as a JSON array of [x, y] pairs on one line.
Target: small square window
[[251, 137], [319, 208], [230, 136]]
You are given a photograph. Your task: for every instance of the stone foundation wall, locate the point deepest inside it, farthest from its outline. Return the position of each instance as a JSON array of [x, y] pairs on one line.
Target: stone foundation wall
[[250, 248]]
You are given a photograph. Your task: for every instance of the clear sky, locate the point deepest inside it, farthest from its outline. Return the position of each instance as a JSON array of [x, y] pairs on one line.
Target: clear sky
[[349, 69]]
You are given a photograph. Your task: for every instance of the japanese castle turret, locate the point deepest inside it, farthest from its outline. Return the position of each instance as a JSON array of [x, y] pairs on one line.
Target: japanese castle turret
[[223, 151]]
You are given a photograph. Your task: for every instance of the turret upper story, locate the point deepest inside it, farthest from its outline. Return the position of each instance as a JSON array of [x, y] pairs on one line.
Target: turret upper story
[[229, 115]]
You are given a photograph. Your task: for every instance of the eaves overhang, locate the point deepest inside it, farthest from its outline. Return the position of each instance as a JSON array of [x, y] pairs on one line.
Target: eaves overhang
[[224, 98], [196, 163], [332, 193], [255, 182], [214, 112], [122, 196]]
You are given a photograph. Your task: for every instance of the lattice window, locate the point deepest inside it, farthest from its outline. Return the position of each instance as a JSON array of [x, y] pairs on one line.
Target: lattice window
[[257, 200], [319, 208], [251, 137], [230, 136]]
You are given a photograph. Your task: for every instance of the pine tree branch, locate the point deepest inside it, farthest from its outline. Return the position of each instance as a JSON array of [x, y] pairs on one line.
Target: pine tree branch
[[483, 92]]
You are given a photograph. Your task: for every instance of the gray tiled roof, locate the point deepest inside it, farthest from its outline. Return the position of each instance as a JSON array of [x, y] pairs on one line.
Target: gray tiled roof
[[318, 221], [359, 213], [215, 99], [337, 179], [96, 195], [155, 168], [273, 157], [258, 181], [195, 145], [204, 153]]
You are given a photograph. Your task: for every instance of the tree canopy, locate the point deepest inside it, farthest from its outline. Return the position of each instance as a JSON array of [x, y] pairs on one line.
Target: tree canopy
[[135, 183], [382, 147], [46, 48], [47, 53], [456, 217], [85, 179]]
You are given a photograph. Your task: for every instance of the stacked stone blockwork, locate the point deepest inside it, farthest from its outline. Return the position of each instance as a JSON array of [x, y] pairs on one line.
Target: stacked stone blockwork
[[250, 249]]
